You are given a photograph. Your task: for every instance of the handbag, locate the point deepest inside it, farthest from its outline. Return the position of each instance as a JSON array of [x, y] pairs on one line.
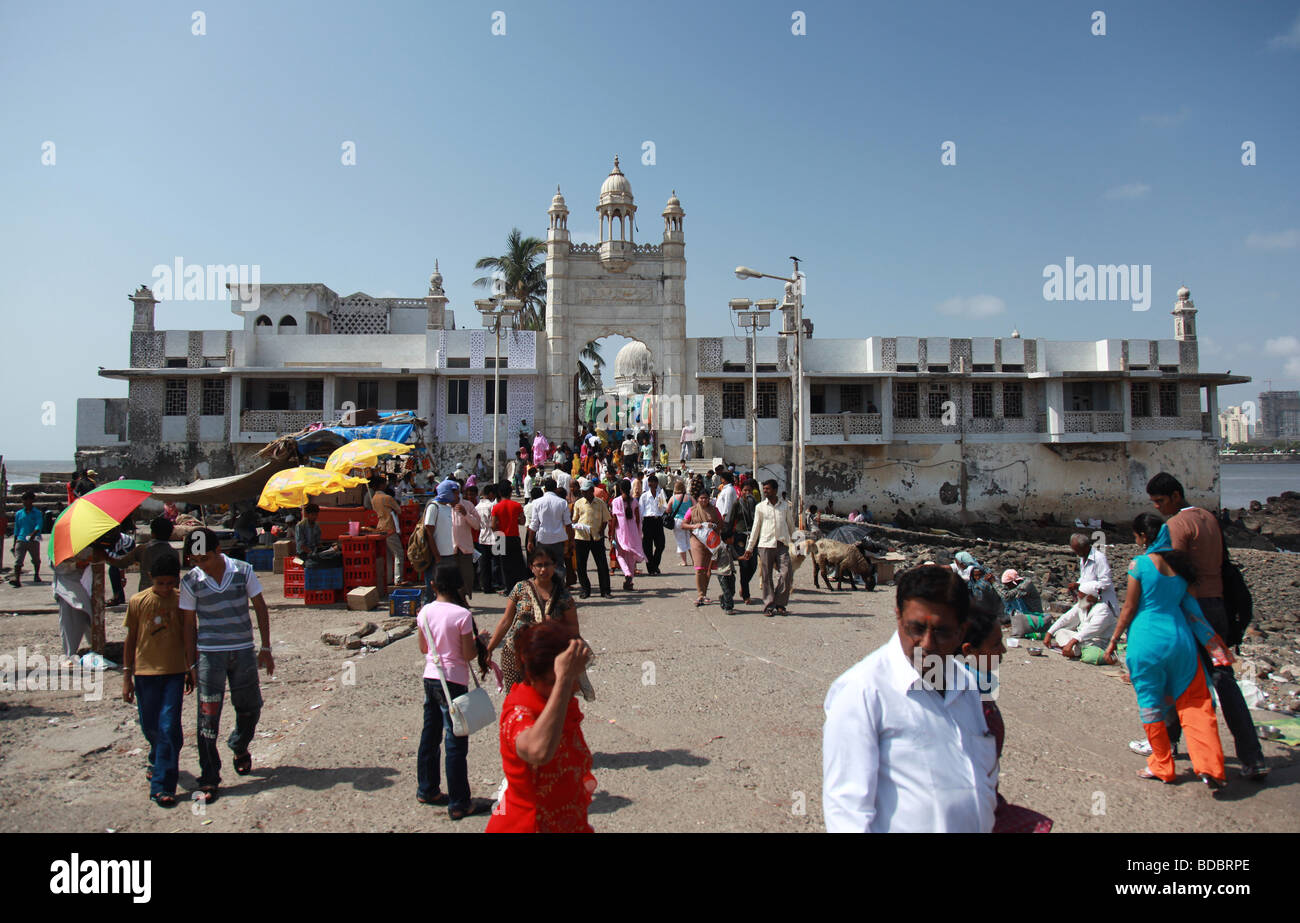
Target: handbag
[[470, 712]]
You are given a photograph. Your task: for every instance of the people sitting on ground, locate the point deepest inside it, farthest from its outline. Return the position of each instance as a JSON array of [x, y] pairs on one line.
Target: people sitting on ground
[[962, 563], [1085, 629], [1018, 593], [982, 592], [860, 515], [306, 535]]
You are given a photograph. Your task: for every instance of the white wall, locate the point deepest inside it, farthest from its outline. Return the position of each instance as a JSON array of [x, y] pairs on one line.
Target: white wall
[[173, 429], [212, 429], [90, 423], [391, 351]]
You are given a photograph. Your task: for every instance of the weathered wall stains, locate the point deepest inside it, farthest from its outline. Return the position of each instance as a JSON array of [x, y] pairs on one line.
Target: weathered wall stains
[[1006, 481]]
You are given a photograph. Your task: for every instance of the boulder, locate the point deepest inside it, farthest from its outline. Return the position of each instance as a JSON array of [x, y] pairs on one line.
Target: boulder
[[343, 635]]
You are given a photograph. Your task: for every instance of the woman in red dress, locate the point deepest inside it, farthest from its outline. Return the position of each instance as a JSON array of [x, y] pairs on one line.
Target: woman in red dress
[[545, 757]]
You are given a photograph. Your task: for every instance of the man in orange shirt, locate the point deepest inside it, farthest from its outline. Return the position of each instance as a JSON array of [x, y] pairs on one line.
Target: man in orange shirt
[[1195, 532], [386, 508]]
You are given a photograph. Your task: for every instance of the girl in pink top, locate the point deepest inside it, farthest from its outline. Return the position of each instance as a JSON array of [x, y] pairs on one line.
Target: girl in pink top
[[447, 625], [625, 526]]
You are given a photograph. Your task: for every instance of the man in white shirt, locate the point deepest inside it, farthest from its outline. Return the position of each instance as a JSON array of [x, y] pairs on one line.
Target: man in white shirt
[[652, 502], [1094, 566], [631, 456], [552, 524], [489, 568], [1089, 622], [688, 437], [905, 747], [438, 532], [562, 480], [771, 535]]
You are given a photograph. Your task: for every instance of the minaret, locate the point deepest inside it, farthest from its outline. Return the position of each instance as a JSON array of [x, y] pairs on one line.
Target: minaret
[[616, 207], [1184, 313], [144, 302], [436, 300]]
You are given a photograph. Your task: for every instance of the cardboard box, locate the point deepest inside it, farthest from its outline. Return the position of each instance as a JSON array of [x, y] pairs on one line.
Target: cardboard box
[[283, 550], [363, 598]]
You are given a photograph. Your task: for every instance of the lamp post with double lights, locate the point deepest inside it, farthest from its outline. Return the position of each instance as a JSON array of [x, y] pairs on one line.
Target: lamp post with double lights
[[753, 321], [495, 310], [796, 288]]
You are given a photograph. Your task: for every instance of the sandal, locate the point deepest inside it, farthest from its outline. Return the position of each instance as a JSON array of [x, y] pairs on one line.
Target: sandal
[[243, 764], [208, 794], [163, 800], [1145, 773], [699, 602], [476, 808], [439, 799]]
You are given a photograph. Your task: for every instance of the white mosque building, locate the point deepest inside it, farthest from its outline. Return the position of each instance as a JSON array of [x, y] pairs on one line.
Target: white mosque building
[[944, 428]]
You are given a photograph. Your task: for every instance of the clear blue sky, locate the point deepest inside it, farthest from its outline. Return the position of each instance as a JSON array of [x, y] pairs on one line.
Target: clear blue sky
[[225, 148]]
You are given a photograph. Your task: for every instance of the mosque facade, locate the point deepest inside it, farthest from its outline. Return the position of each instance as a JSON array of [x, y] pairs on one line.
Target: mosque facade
[[943, 429]]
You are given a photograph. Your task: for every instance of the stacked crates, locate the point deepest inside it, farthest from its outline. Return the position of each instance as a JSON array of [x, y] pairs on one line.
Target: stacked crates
[[409, 518], [364, 562], [323, 586], [261, 558], [295, 583]]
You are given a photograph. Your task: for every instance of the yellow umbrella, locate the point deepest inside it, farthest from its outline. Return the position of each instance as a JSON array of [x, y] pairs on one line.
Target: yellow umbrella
[[292, 487], [363, 453]]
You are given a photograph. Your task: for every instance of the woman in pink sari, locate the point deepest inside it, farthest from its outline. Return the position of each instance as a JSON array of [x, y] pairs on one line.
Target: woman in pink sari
[[625, 530], [541, 449]]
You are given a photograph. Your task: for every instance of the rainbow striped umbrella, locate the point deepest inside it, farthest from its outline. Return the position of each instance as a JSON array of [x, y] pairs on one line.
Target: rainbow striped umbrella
[[292, 487], [93, 514], [363, 453]]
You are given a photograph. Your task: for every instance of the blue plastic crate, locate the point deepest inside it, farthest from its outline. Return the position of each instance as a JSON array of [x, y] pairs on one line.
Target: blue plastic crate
[[404, 602], [261, 558], [323, 578]]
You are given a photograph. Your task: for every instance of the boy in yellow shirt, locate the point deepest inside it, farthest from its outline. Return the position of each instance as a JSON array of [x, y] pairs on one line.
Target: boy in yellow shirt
[[156, 673]]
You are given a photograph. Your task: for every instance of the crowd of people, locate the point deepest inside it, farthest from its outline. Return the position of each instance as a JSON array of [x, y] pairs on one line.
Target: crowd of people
[[912, 737]]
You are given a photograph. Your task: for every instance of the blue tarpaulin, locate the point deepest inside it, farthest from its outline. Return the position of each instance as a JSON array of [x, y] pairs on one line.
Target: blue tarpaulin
[[396, 432]]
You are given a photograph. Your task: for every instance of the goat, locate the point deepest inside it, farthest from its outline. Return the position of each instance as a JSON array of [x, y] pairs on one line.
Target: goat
[[827, 553]]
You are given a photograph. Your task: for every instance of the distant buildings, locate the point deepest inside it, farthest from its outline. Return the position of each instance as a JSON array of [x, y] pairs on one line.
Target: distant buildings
[[1279, 415], [1234, 426]]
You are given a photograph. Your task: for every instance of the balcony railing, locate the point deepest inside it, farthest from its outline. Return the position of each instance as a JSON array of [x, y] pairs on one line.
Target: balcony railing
[[846, 424], [1094, 421], [277, 421]]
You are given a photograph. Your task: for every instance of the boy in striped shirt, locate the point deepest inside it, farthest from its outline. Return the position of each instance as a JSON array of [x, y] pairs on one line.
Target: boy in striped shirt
[[216, 593]]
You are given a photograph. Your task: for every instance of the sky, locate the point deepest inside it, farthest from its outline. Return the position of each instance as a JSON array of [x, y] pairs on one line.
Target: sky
[[135, 134]]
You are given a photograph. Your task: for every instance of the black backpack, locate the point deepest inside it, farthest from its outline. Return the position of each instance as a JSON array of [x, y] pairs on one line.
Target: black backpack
[[1237, 604]]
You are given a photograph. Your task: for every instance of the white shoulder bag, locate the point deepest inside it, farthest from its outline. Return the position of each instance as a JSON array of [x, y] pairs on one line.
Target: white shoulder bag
[[470, 712]]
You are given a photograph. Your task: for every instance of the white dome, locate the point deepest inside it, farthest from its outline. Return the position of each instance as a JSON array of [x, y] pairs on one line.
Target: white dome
[[616, 189], [633, 361]]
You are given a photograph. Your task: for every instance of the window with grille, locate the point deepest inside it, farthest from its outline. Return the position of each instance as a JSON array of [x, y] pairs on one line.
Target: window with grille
[[816, 398], [315, 394], [767, 400], [905, 401], [368, 395], [1140, 399], [936, 397], [1013, 401], [489, 396], [458, 362], [176, 398], [491, 362], [850, 398], [733, 400], [1168, 398], [178, 363], [214, 397], [981, 399], [457, 395]]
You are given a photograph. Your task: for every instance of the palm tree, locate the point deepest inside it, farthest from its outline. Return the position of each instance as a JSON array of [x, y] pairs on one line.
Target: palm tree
[[590, 366], [525, 277]]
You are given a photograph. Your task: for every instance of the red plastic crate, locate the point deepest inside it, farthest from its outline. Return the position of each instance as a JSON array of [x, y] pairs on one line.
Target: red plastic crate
[[291, 566], [322, 597], [360, 544]]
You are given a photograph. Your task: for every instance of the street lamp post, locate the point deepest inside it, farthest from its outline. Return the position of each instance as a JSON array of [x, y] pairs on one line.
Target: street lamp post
[[754, 321], [796, 281], [494, 310]]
